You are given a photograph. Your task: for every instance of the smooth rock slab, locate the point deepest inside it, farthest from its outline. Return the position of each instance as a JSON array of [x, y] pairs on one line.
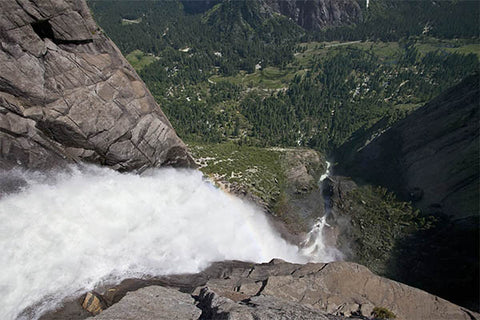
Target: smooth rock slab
[[152, 303]]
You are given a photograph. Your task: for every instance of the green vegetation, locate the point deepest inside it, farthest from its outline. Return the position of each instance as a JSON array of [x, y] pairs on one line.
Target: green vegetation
[[232, 36], [460, 46], [278, 179], [139, 60], [378, 221], [259, 79], [345, 88], [383, 313], [318, 100], [243, 169], [264, 79], [392, 20]]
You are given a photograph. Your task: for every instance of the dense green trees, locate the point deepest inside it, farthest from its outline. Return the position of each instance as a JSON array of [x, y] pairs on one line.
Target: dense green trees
[[348, 90], [391, 20], [324, 100], [233, 35]]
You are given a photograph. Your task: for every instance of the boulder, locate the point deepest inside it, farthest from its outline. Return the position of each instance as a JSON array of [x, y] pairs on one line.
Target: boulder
[[153, 303]]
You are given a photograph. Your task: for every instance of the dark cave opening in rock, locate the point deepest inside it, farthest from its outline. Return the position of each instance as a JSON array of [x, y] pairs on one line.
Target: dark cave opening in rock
[[43, 29]]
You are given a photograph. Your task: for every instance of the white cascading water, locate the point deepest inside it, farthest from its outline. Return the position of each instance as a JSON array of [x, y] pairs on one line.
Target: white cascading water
[[315, 244], [64, 235], [327, 172]]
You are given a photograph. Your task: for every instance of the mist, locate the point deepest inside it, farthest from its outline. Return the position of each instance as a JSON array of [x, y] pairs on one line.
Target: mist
[[66, 233]]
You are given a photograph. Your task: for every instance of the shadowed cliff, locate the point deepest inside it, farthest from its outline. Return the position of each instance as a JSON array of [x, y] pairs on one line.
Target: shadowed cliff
[[431, 158]]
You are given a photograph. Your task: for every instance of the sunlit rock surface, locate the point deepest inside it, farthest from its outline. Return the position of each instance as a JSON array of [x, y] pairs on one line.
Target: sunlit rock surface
[[281, 290], [68, 95]]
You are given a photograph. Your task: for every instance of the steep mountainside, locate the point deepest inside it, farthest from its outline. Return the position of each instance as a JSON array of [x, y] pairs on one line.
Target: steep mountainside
[[68, 95], [431, 157], [318, 14], [309, 14]]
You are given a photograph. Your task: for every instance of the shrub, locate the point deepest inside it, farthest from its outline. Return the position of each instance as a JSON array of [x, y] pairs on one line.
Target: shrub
[[382, 313]]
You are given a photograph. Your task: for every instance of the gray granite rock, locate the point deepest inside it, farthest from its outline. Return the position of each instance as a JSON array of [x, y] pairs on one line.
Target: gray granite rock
[[275, 290], [153, 303], [340, 289], [261, 307], [68, 95]]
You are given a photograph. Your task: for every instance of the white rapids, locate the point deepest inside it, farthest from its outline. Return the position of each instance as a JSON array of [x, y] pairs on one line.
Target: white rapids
[[67, 233]]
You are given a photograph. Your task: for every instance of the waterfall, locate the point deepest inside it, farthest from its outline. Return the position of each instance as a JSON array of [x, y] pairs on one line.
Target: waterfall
[[327, 172], [315, 244], [67, 232]]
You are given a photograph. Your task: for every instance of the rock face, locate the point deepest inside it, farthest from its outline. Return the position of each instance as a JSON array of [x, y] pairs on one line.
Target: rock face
[[309, 14], [302, 202], [280, 290], [430, 157], [317, 14], [68, 95]]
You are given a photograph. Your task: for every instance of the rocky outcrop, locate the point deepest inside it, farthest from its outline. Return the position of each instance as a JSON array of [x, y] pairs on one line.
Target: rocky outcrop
[[279, 290], [430, 157], [68, 95], [286, 186], [318, 14]]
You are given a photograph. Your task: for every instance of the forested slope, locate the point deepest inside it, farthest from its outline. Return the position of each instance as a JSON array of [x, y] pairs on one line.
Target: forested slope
[[234, 70]]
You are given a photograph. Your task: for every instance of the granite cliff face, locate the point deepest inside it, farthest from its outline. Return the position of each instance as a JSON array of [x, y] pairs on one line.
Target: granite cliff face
[[67, 94], [309, 14], [430, 157], [318, 14]]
